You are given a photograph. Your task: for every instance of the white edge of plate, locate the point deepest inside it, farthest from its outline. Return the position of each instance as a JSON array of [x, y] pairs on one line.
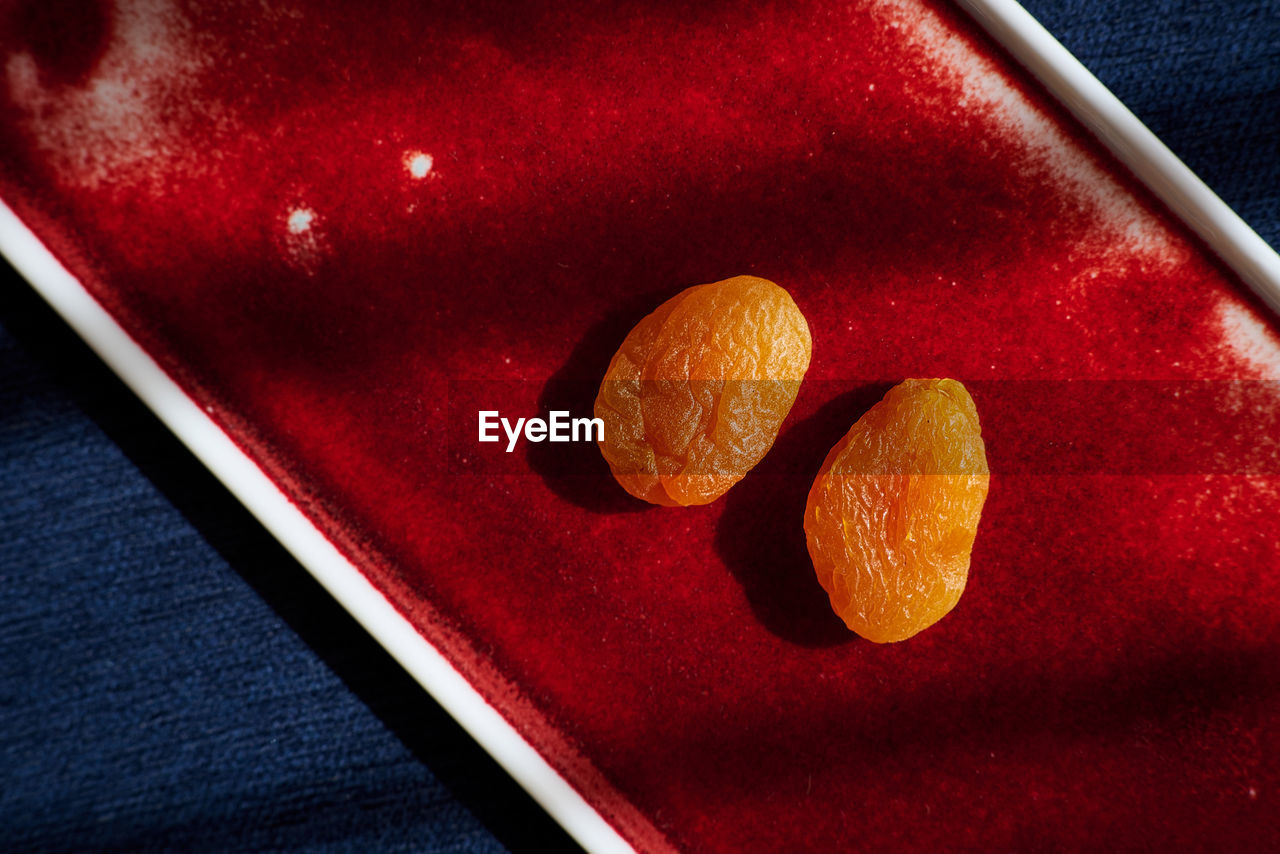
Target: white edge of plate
[[285, 521], [1011, 25], [1133, 143]]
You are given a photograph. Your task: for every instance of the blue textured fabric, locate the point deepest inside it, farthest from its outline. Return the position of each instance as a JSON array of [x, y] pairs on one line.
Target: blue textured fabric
[[171, 680], [1204, 76], [154, 697]]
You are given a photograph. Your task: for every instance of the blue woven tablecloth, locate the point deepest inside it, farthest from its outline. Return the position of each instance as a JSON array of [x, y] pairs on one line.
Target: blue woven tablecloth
[[171, 679]]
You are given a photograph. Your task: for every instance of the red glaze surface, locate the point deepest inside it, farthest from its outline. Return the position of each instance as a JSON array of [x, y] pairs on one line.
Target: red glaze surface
[[237, 186]]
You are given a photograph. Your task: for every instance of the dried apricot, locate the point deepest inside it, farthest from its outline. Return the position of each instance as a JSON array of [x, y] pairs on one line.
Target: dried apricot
[[892, 515], [695, 395]]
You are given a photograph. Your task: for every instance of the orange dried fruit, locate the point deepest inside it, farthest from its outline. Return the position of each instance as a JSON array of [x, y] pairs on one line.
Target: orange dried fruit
[[892, 515], [695, 395]]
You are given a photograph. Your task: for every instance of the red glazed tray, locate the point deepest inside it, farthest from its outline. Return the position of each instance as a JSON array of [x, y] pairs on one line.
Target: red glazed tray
[[319, 241]]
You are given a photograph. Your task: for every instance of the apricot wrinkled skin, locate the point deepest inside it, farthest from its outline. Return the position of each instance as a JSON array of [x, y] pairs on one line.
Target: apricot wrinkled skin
[[695, 395], [893, 513]]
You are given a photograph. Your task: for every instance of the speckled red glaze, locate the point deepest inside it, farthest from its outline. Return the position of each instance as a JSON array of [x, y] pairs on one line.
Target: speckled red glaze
[[249, 211]]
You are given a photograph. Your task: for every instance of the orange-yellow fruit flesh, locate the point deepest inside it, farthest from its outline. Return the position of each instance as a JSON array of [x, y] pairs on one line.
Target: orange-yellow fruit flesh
[[695, 395], [892, 515]]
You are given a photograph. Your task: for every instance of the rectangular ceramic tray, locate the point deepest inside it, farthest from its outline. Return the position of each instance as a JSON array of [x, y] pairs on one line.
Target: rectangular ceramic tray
[[316, 244]]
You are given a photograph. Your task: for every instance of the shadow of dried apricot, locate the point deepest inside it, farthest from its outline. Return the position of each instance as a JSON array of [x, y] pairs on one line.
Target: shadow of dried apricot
[[575, 471], [760, 536]]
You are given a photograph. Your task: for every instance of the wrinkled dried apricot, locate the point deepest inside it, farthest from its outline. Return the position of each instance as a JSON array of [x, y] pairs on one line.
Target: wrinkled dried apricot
[[695, 395], [892, 515]]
